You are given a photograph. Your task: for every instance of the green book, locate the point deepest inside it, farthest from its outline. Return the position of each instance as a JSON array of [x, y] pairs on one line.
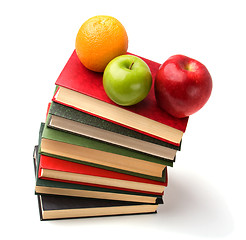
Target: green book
[[78, 190], [64, 207], [96, 153], [87, 142], [69, 119]]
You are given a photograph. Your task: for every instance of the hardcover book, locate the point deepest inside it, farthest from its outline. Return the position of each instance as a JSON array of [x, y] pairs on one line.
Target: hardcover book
[[60, 170], [62, 207], [82, 89], [53, 187], [92, 152], [73, 121]]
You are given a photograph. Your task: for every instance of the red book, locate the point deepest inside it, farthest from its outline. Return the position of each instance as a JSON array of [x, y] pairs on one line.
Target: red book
[[60, 170], [83, 89]]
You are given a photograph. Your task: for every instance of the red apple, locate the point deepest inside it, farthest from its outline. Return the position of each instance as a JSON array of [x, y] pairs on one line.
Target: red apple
[[182, 86]]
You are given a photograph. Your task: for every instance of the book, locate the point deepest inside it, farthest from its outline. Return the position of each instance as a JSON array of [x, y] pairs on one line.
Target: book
[[53, 207], [77, 122], [82, 89], [53, 187], [92, 152], [79, 190], [60, 170], [91, 143]]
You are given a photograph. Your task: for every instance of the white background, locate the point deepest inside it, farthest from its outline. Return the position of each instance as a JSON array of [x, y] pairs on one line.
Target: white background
[[205, 198]]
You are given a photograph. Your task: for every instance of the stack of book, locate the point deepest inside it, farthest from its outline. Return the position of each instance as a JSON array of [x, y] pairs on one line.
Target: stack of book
[[95, 158]]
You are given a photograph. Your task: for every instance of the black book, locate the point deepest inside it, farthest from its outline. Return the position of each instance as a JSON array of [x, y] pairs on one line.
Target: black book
[[62, 207]]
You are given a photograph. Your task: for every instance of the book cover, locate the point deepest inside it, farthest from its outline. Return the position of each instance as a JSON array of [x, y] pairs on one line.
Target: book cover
[[80, 129], [53, 187], [79, 79], [61, 170], [77, 122], [64, 207], [92, 152], [53, 207], [70, 113], [87, 142]]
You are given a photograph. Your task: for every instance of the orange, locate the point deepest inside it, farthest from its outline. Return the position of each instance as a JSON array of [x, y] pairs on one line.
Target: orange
[[99, 40]]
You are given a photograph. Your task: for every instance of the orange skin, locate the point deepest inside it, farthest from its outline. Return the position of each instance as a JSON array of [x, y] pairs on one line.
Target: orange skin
[[99, 40]]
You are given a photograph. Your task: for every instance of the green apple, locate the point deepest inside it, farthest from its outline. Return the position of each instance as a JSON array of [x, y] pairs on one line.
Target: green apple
[[127, 80]]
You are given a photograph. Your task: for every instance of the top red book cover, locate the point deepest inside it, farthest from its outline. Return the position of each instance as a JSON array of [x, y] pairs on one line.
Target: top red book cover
[[77, 77]]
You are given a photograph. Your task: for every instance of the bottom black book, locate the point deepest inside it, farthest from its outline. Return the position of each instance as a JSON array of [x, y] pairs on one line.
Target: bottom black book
[[63, 207]]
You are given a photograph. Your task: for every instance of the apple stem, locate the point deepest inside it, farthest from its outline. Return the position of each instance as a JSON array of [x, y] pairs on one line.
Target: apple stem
[[130, 67]]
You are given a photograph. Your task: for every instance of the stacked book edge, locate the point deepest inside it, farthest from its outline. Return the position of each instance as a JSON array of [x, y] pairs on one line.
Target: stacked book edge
[[95, 158]]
